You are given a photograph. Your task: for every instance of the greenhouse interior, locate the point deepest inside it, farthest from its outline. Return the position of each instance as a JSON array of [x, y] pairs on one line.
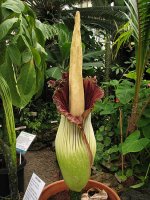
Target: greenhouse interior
[[74, 99]]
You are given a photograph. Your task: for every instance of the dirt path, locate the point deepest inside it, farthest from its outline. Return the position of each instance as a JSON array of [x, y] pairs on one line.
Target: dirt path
[[43, 163]]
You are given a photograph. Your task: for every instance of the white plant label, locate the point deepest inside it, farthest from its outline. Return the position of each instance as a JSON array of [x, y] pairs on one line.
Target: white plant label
[[34, 188], [24, 140]]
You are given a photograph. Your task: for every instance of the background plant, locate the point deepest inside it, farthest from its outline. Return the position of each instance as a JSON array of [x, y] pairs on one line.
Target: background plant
[[112, 139], [40, 118], [22, 67]]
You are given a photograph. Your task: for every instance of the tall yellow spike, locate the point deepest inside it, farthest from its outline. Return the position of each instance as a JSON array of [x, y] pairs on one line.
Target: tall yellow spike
[[76, 89]]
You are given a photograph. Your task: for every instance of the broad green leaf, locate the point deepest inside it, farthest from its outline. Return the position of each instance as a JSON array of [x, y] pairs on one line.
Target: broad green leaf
[[147, 112], [93, 64], [6, 26], [121, 177], [40, 77], [27, 78], [87, 68], [117, 71], [65, 50], [104, 108], [6, 13], [134, 144], [99, 137], [27, 83], [9, 75], [16, 6], [92, 54], [63, 34], [14, 54], [113, 149], [36, 56], [148, 70], [143, 122], [138, 185], [124, 93], [41, 49], [26, 56], [54, 72], [114, 82], [107, 141], [133, 136], [129, 172], [40, 37], [108, 108], [131, 75], [99, 147], [146, 131], [102, 128]]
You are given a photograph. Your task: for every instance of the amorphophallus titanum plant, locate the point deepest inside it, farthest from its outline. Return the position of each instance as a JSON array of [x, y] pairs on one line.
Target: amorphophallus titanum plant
[[74, 98]]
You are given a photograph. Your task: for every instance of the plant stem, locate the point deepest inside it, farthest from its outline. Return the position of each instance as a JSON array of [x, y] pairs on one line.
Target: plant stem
[[147, 171], [11, 163], [121, 140]]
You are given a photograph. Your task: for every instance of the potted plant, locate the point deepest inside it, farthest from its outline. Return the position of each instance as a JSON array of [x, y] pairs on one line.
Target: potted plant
[[22, 68], [75, 141]]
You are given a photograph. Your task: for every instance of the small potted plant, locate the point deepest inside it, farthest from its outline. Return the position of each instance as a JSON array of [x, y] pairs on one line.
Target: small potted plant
[[75, 141]]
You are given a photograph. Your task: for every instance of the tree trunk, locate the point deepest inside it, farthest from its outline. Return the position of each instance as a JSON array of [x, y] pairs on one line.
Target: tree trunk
[[132, 121]]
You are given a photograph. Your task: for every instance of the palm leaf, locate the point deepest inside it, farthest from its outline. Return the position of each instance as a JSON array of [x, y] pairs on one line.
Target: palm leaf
[[140, 21], [104, 17]]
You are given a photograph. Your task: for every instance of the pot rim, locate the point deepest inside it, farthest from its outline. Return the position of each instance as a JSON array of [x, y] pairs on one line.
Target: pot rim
[[61, 185]]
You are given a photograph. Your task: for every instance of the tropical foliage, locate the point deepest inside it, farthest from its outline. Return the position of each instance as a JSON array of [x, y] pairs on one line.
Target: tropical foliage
[[23, 56], [33, 50], [22, 71], [138, 27]]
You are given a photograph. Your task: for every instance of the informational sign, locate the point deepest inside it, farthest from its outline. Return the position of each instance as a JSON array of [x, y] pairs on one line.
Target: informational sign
[[34, 188], [23, 142]]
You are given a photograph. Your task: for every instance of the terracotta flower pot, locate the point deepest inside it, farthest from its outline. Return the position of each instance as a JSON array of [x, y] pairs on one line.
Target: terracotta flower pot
[[59, 186]]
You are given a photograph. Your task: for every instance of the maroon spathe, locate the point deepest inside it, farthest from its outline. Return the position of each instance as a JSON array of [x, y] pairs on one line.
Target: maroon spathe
[[92, 93]]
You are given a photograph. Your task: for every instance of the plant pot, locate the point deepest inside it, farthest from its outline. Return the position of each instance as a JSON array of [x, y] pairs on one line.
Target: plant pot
[[4, 181], [59, 186]]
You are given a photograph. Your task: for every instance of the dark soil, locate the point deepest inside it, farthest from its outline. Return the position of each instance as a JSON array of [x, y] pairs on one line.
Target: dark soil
[[61, 196]]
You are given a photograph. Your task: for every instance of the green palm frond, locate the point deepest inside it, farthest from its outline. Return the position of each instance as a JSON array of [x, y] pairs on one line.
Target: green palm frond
[[107, 2], [123, 35], [100, 2], [140, 24], [139, 19], [104, 17], [50, 31], [50, 10]]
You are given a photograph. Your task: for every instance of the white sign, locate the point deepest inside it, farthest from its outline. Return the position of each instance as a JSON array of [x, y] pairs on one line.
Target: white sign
[[34, 188], [24, 140]]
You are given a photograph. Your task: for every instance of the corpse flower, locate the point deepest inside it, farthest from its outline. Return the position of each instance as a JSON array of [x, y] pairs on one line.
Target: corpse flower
[[74, 98]]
